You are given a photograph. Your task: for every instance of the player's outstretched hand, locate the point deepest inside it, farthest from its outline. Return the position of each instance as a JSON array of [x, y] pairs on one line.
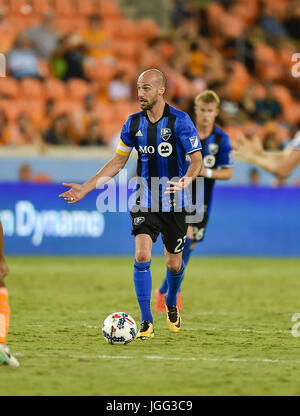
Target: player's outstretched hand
[[247, 148], [184, 182], [75, 194]]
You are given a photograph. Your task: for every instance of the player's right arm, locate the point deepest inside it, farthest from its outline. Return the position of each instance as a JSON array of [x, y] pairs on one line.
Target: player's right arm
[[111, 169]]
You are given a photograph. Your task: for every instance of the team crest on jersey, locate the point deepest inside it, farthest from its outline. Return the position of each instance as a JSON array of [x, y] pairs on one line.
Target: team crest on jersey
[[139, 220], [165, 149], [166, 133], [209, 161], [213, 148], [194, 141]]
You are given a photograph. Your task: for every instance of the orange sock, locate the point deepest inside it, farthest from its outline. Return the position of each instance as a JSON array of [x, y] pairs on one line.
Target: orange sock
[[4, 314]]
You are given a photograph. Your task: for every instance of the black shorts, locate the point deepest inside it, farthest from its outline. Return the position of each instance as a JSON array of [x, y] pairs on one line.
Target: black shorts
[[199, 229], [172, 226]]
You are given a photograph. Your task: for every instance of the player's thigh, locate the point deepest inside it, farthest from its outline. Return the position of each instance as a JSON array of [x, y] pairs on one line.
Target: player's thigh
[[174, 228], [143, 248], [173, 261]]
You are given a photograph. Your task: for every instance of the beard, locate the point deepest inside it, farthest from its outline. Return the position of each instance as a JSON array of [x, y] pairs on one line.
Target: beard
[[148, 105]]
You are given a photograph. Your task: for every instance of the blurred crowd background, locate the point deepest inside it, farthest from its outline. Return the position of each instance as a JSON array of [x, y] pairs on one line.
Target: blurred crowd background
[[72, 66]]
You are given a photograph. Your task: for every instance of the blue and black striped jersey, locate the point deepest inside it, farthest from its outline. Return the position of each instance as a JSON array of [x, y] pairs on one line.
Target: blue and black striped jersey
[[162, 148], [216, 153]]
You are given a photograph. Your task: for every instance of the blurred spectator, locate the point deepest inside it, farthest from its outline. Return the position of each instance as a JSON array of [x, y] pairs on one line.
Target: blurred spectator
[[248, 103], [254, 177], [96, 38], [59, 131], [292, 22], [68, 60], [269, 107], [44, 37], [93, 136], [270, 24], [25, 174], [23, 132], [4, 130], [23, 61], [271, 142], [83, 116], [120, 87], [48, 114], [180, 12]]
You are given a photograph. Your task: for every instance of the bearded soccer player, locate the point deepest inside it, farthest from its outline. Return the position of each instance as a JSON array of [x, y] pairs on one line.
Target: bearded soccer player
[[216, 151], [281, 164], [5, 355], [162, 136]]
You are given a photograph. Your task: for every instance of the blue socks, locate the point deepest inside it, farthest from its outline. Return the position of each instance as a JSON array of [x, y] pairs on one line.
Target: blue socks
[[185, 258], [143, 287], [187, 251], [174, 281]]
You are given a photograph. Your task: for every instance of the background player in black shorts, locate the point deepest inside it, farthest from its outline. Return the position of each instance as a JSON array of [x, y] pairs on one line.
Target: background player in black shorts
[[216, 153]]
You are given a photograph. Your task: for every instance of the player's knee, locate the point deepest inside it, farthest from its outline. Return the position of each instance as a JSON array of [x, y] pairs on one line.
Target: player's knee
[[142, 256], [174, 265]]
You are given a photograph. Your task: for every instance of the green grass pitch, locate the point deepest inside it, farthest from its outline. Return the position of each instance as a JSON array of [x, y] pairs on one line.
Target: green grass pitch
[[236, 336]]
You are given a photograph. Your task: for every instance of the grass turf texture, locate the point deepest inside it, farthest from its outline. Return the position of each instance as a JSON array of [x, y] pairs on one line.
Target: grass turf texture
[[235, 340]]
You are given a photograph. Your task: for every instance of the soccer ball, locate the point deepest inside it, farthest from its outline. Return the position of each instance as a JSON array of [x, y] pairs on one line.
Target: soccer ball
[[119, 328]]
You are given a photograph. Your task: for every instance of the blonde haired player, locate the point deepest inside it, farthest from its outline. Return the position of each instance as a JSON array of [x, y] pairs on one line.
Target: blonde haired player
[[216, 154], [5, 355]]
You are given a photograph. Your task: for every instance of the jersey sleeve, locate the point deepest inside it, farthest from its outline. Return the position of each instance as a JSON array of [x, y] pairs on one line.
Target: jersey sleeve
[[126, 143], [188, 135], [225, 154]]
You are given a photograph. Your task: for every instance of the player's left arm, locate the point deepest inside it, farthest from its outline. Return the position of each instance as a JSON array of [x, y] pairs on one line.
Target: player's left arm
[[225, 171], [188, 135], [222, 173], [191, 174]]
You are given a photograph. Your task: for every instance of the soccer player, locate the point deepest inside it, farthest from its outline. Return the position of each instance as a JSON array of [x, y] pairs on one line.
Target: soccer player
[[216, 151], [281, 164], [162, 136], [5, 355]]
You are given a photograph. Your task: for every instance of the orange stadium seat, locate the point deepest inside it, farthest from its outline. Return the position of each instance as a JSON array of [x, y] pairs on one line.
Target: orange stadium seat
[[11, 108], [127, 49], [86, 7], [9, 88], [65, 24], [66, 106], [55, 88], [147, 29], [127, 30], [6, 41], [66, 8], [100, 71], [78, 88], [31, 88], [108, 9], [42, 6]]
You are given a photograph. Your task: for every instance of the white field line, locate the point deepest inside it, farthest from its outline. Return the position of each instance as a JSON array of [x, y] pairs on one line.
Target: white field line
[[256, 331], [154, 357]]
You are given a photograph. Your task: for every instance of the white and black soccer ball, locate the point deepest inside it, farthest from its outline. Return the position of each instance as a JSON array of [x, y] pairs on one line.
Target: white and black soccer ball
[[119, 328]]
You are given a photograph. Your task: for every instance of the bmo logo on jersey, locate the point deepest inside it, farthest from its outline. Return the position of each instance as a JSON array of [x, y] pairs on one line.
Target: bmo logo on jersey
[[164, 149], [147, 149]]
